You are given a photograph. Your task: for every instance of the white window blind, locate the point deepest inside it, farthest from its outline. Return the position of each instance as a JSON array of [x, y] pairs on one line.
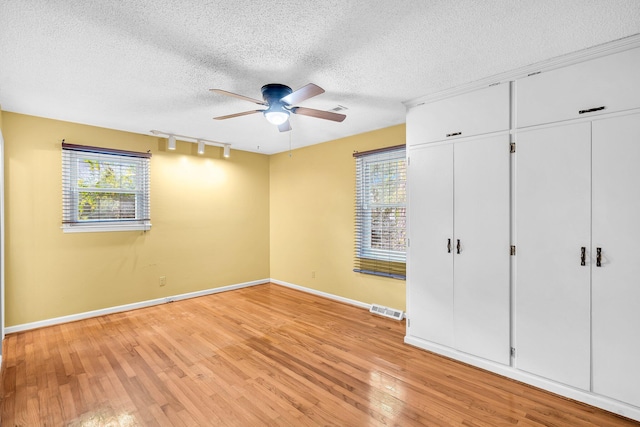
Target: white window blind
[[104, 189], [380, 247]]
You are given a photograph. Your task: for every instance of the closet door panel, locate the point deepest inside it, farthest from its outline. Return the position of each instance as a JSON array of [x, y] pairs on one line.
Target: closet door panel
[[430, 265], [552, 288], [481, 270], [616, 283]]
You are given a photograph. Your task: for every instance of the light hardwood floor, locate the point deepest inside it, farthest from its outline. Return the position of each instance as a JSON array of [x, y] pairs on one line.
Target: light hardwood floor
[[264, 355]]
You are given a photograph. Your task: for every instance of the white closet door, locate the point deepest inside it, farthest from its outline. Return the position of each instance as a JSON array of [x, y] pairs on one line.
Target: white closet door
[[430, 267], [616, 283], [553, 205], [481, 270]]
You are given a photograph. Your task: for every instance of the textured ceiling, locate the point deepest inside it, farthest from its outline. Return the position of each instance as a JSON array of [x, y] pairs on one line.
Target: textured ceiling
[[138, 65]]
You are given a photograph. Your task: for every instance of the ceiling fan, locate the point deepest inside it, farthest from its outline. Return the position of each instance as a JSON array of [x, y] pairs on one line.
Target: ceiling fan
[[280, 101]]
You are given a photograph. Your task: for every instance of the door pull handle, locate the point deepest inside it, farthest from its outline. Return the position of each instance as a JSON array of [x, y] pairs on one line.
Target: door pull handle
[[448, 246], [591, 110], [598, 257], [458, 246], [583, 256]]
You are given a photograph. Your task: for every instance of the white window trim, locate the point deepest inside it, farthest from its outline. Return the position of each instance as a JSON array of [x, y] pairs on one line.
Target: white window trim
[[105, 225], [364, 251], [367, 251], [91, 228]]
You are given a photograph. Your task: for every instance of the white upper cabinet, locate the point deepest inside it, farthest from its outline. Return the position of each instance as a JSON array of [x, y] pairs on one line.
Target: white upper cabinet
[[474, 113], [603, 85]]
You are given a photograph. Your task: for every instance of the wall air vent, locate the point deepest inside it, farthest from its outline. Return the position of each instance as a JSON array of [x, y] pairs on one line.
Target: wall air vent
[[386, 311], [339, 108]]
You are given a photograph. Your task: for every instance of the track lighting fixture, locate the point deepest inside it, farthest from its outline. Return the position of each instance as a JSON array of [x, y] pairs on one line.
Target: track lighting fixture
[[172, 138]]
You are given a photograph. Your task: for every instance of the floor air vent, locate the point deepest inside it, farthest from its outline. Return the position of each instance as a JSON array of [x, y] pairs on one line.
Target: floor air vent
[[385, 311]]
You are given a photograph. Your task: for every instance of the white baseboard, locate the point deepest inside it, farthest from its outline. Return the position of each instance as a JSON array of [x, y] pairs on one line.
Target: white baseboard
[[163, 300], [322, 294], [327, 295], [127, 307], [587, 397]]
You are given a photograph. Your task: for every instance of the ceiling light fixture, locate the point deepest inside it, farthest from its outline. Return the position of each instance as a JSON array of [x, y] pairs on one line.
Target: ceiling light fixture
[[276, 114], [172, 137]]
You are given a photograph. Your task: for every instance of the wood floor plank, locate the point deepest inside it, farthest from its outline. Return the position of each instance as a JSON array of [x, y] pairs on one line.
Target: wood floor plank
[[263, 355]]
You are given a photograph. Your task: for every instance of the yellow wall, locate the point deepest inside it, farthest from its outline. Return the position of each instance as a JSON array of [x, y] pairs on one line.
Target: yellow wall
[[312, 219], [210, 221], [215, 221]]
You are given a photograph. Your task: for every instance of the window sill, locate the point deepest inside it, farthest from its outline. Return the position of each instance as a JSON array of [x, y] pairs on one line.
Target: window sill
[[381, 274], [98, 228]]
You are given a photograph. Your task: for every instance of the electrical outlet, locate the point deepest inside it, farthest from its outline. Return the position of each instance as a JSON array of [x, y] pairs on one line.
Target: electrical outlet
[[163, 280], [313, 274]]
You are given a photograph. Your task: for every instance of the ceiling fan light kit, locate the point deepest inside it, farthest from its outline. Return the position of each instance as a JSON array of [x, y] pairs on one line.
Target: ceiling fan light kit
[[280, 101], [276, 114], [276, 117]]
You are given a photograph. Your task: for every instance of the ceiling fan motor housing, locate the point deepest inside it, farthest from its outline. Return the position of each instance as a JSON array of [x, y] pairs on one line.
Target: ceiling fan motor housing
[[274, 92]]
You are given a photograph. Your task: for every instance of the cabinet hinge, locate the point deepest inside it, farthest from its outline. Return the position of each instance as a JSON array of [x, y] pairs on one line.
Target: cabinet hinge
[[513, 250], [408, 242], [513, 147], [408, 322], [513, 352], [408, 161]]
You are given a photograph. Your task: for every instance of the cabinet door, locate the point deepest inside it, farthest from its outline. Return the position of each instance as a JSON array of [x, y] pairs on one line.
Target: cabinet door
[[474, 113], [430, 265], [481, 270], [616, 283], [553, 205], [556, 95]]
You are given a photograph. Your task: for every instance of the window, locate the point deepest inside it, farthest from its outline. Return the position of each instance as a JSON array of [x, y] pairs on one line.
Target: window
[[104, 189], [380, 212]]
